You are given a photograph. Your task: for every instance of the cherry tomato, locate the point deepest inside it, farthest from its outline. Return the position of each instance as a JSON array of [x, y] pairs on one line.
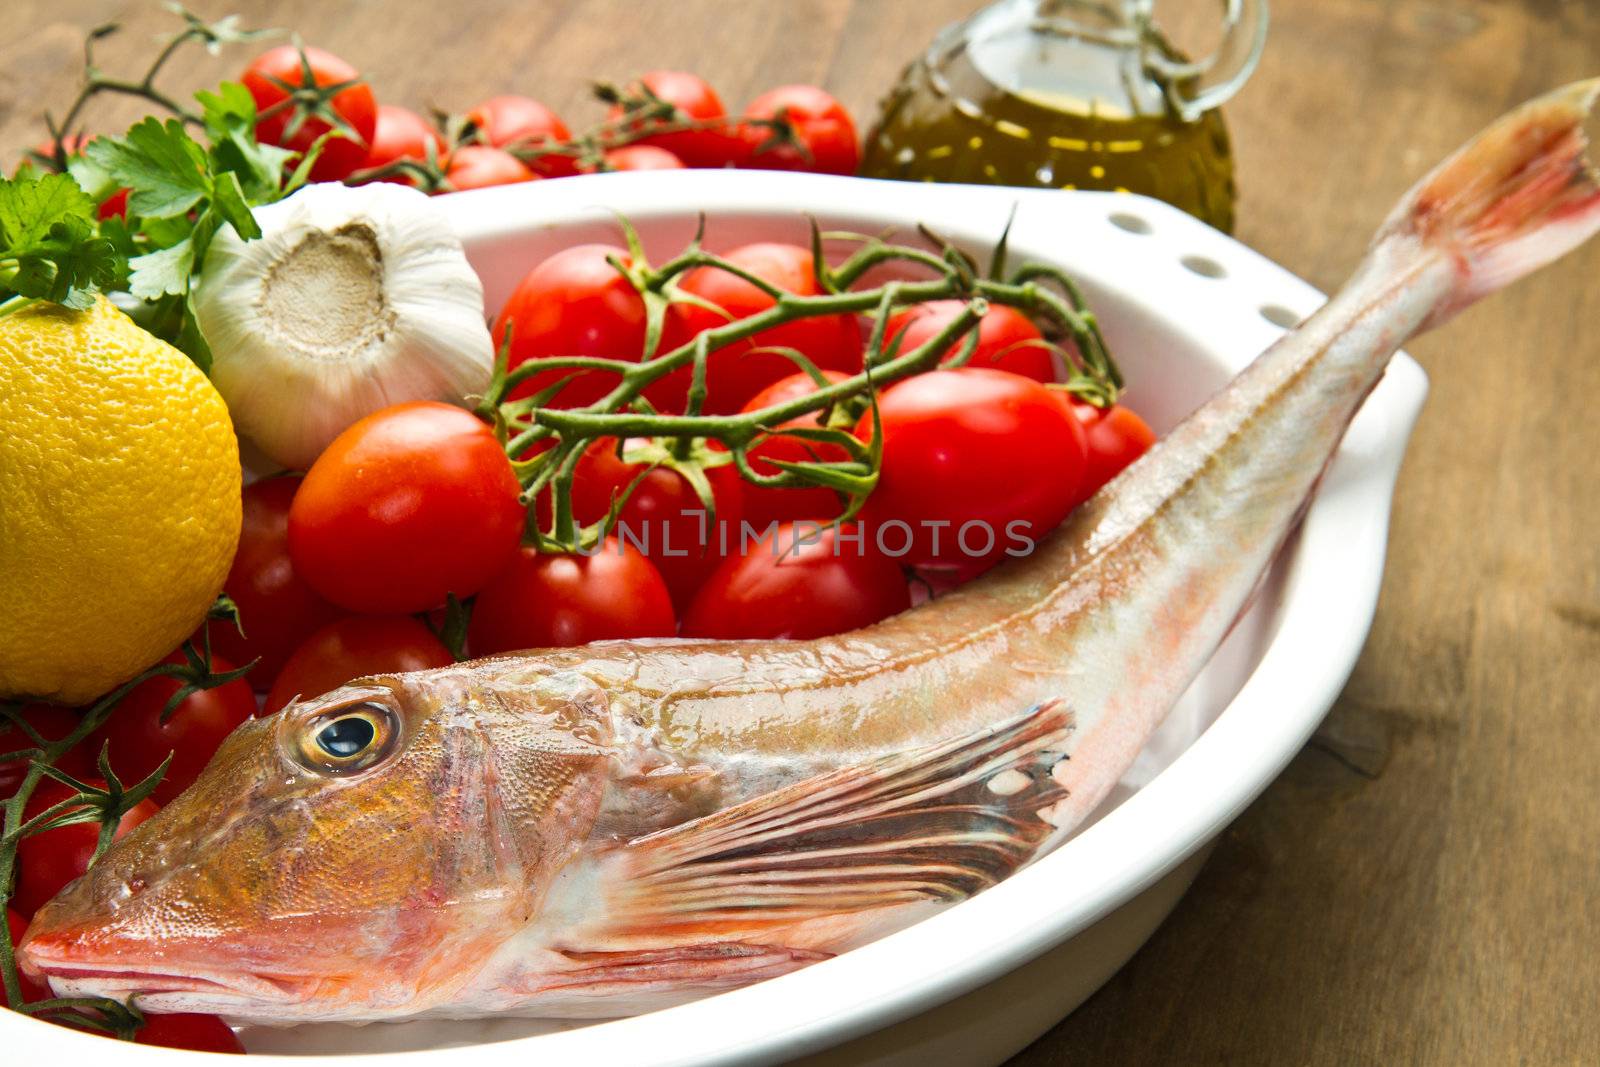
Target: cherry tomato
[[662, 516], [763, 506], [292, 126], [401, 133], [976, 462], [1116, 437], [576, 303], [476, 166], [31, 990], [52, 722], [696, 100], [820, 122], [354, 648], [72, 144], [559, 601], [47, 861], [801, 581], [1007, 339], [114, 206], [642, 157], [411, 503], [738, 372], [524, 123], [276, 606], [198, 1033], [140, 740]]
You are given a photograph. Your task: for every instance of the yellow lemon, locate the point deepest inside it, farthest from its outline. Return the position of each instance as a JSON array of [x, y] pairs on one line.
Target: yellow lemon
[[119, 500]]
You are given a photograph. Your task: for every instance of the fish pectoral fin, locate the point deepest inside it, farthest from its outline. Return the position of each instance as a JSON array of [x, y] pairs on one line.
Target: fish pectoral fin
[[609, 984], [933, 824], [728, 962]]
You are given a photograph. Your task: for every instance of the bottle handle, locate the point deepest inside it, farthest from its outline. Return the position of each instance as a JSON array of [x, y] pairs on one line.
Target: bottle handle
[[1195, 87]]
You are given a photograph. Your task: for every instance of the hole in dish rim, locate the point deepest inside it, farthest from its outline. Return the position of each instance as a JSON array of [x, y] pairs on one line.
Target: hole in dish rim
[[1204, 266], [1131, 223], [1280, 316]]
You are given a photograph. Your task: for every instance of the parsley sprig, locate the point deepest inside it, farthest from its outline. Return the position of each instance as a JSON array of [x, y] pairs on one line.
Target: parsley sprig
[[50, 248], [182, 188]]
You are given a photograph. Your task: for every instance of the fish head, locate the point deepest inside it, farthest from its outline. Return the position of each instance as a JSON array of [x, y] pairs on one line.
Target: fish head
[[353, 856]]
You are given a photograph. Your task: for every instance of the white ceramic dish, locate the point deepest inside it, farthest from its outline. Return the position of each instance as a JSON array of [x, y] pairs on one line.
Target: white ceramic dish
[[1184, 307]]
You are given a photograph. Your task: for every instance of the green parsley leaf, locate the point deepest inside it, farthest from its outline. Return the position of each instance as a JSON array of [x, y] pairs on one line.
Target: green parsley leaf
[[91, 179], [230, 118], [231, 204], [29, 208], [190, 340], [163, 271], [180, 194], [49, 246], [167, 171]]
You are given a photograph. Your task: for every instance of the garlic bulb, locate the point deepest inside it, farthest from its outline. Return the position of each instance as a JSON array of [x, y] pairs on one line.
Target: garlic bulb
[[352, 299]]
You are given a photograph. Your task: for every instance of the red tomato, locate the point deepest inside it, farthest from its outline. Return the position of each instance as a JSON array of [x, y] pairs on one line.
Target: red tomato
[[736, 373], [401, 133], [411, 503], [801, 581], [476, 166], [1007, 339], [576, 303], [559, 601], [695, 100], [52, 722], [642, 157], [355, 107], [663, 516], [976, 461], [114, 206], [763, 506], [276, 606], [140, 740], [521, 122], [1116, 437], [198, 1033], [73, 144], [820, 122], [354, 648], [31, 990], [46, 862]]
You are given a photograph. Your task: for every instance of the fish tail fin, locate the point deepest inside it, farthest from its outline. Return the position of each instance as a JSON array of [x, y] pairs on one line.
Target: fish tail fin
[[932, 824], [1519, 195]]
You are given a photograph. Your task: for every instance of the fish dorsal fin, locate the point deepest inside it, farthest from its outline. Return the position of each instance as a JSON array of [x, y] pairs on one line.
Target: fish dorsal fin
[[933, 824]]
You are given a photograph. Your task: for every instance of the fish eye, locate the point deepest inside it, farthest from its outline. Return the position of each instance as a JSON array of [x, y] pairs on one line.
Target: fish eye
[[349, 739]]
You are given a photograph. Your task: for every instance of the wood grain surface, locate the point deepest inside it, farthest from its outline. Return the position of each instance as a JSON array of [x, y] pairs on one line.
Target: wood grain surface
[[1421, 884]]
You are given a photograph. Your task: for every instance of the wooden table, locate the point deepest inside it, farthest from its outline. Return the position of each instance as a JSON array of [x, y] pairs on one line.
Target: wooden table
[[1421, 884]]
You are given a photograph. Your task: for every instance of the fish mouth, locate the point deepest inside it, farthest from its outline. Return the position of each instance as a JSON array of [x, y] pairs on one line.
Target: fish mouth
[[70, 975], [120, 983]]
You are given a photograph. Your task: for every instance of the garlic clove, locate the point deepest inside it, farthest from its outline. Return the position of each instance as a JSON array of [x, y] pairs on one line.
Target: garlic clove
[[353, 298]]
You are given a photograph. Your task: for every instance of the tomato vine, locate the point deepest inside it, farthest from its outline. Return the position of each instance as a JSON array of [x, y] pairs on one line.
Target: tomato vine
[[212, 35], [545, 442], [105, 805]]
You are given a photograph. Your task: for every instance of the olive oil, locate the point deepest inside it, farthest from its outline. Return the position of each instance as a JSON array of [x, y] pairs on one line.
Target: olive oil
[[1053, 101]]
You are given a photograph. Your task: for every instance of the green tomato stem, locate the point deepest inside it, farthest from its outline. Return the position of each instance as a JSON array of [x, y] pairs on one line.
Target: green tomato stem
[[1041, 291], [111, 804]]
